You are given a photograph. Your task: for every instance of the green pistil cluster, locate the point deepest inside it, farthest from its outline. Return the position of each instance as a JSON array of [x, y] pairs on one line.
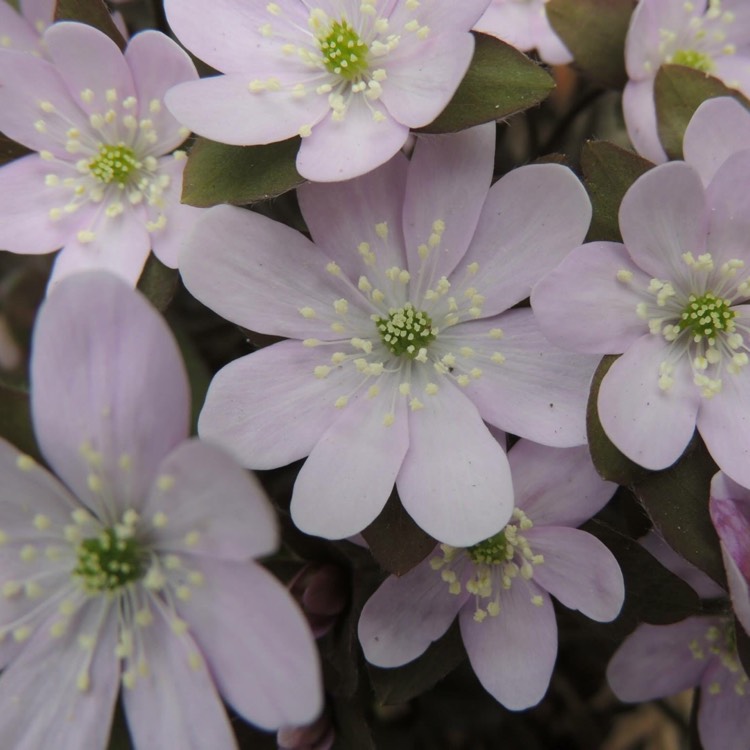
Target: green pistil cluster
[[707, 315], [344, 52], [492, 551], [406, 330], [113, 164], [108, 562], [693, 59]]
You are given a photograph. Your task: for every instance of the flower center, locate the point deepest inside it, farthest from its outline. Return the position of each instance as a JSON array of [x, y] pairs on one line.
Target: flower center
[[491, 551], [113, 164], [406, 330], [110, 561], [706, 315], [692, 58], [344, 52]]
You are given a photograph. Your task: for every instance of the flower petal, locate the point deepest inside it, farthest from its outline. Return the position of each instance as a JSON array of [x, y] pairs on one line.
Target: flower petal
[[578, 570], [176, 704], [513, 654], [534, 216], [455, 481], [346, 481], [406, 614], [639, 110], [585, 290], [649, 425], [18, 33], [509, 22], [200, 488], [539, 391], [566, 492], [109, 391], [719, 128], [257, 644], [448, 180], [438, 15], [268, 408]]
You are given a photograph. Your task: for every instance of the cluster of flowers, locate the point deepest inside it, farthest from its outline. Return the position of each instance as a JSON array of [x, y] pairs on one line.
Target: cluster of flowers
[[409, 359]]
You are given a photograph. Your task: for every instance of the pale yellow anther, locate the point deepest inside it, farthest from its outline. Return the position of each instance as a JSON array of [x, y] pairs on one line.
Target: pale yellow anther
[[389, 419], [321, 371], [404, 389], [381, 230], [307, 312], [28, 553], [341, 402], [42, 522], [25, 463], [192, 538]]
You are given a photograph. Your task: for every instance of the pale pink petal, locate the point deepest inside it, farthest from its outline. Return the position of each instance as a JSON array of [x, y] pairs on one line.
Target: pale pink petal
[[374, 198], [639, 110], [256, 643], [439, 15], [550, 47], [719, 128], [723, 718], [557, 486], [662, 216], [406, 614], [17, 30], [175, 705], [422, 78], [342, 149], [578, 570], [87, 58], [39, 712], [199, 488], [448, 180], [455, 481], [586, 288], [734, 70], [738, 589], [509, 21], [268, 409], [260, 273], [156, 64], [224, 109], [534, 216], [109, 391], [38, 11], [655, 661], [346, 481], [513, 654], [25, 225], [539, 391], [649, 425]]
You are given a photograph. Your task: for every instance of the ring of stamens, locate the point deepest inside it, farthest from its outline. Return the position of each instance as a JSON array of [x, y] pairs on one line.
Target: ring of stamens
[[344, 52], [707, 314], [114, 164], [406, 330], [109, 561]]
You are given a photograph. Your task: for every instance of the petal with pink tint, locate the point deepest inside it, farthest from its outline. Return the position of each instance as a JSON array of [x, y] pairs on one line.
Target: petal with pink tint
[[723, 718], [256, 643], [439, 15], [649, 425], [17, 30], [38, 11], [109, 391], [406, 614], [455, 481], [639, 110], [508, 21], [513, 654], [550, 47], [582, 305]]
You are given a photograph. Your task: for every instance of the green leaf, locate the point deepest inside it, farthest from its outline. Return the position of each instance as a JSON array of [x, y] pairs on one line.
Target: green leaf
[[608, 460], [678, 92], [10, 150], [608, 172], [396, 542], [594, 31], [401, 684], [158, 283], [676, 500], [93, 12], [217, 173], [500, 82]]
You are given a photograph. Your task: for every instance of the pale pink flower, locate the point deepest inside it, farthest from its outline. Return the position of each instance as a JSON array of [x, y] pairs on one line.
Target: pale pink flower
[[349, 76], [103, 185], [500, 588], [139, 569], [403, 341], [524, 24]]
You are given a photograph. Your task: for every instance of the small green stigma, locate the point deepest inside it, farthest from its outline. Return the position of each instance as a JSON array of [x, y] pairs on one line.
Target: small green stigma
[[707, 315], [113, 164], [491, 551], [108, 562], [406, 330], [344, 52], [693, 59]]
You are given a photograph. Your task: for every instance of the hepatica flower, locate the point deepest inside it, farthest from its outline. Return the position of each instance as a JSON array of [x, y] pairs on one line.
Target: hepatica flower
[[349, 76], [138, 569], [672, 299], [524, 24], [102, 184], [712, 36], [657, 661], [500, 588], [400, 351]]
